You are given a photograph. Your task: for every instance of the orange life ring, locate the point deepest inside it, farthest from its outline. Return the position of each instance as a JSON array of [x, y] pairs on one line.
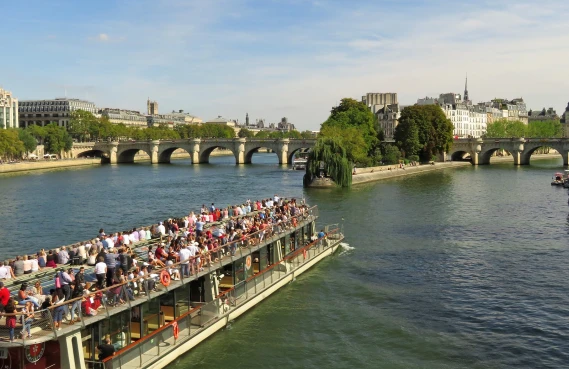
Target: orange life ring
[[176, 329], [248, 262], [165, 278], [305, 253]]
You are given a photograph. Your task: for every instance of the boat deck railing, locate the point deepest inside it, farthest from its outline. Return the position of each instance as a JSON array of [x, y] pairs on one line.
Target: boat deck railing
[[150, 348], [42, 325], [140, 249]]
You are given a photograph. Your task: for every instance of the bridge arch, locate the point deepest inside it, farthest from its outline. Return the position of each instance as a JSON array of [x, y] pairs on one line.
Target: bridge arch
[[251, 151], [485, 156], [165, 155], [105, 159], [127, 155], [461, 155], [294, 151], [206, 152], [532, 148]]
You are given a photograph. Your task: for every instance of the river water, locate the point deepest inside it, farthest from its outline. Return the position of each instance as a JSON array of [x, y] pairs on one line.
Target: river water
[[461, 268]]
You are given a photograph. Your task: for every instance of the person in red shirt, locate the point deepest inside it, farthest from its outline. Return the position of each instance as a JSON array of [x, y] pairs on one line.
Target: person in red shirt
[[4, 296]]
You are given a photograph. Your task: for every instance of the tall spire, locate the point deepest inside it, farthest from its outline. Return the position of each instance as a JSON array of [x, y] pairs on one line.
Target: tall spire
[[466, 88]]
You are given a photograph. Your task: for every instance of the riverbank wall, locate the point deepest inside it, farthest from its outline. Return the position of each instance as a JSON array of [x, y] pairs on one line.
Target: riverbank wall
[[372, 174], [48, 164]]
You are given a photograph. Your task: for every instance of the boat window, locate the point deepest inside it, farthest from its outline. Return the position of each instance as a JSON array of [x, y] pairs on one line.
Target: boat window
[[285, 244], [117, 328], [151, 316]]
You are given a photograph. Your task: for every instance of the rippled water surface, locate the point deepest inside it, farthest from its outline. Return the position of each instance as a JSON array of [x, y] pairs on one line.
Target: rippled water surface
[[462, 268]]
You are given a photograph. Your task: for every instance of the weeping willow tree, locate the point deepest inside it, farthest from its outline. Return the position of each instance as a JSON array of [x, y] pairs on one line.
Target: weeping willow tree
[[333, 155]]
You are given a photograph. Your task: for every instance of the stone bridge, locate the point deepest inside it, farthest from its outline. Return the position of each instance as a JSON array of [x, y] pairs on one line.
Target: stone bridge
[[481, 150], [160, 151]]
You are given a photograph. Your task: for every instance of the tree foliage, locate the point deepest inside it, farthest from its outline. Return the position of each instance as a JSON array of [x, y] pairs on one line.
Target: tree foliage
[[352, 125], [423, 130], [27, 139], [504, 128], [330, 152], [57, 139], [245, 133], [10, 144]]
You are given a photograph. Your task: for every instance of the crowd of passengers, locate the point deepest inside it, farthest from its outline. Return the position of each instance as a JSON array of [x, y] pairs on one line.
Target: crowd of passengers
[[186, 247]]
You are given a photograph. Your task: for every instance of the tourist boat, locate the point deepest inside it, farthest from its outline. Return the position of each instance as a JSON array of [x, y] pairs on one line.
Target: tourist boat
[[557, 179], [299, 163], [159, 325]]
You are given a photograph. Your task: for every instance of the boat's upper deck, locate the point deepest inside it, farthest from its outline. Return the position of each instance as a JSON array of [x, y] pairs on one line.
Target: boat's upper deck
[[42, 325]]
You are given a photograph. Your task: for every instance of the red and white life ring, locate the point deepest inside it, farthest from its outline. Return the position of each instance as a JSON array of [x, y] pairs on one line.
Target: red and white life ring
[[165, 278]]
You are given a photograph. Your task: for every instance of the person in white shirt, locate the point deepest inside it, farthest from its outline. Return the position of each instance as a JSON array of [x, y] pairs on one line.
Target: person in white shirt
[[141, 234], [162, 229], [110, 243], [194, 250], [5, 271], [125, 239], [34, 264], [101, 272], [185, 255]]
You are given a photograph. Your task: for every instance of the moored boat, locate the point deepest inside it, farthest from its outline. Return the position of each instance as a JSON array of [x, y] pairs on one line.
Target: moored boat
[[299, 162], [167, 316], [557, 179]]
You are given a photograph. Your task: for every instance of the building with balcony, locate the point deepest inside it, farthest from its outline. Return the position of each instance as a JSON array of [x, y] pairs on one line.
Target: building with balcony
[[129, 118], [42, 112], [388, 118], [9, 117]]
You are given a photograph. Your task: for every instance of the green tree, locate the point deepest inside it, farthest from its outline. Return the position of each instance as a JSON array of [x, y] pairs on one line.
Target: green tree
[[28, 140], [37, 131], [80, 123], [307, 135], [391, 154], [246, 133], [329, 152], [57, 139], [10, 144], [504, 128], [546, 129], [423, 130]]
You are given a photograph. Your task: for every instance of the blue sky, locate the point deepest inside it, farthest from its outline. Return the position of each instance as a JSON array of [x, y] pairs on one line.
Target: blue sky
[[275, 58]]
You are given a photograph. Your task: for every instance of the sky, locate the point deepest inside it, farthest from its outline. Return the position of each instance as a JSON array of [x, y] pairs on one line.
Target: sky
[[283, 58]]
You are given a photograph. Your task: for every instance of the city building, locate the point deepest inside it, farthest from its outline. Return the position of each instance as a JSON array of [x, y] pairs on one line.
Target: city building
[[513, 110], [541, 115], [129, 118], [42, 112], [172, 119], [378, 100], [9, 117], [565, 121], [151, 107], [388, 118], [223, 121], [468, 120]]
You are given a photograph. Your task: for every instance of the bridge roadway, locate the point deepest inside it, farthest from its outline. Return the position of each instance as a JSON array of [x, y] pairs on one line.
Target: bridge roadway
[[160, 151], [482, 149]]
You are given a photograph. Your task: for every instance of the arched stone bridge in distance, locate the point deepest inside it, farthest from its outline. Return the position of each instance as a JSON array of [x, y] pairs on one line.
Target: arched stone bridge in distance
[[482, 149], [160, 151]]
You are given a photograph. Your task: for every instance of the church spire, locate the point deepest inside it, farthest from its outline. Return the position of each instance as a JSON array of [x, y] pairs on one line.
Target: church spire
[[466, 88]]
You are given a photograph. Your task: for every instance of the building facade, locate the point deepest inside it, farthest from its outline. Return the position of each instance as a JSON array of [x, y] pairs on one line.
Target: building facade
[[129, 118], [43, 112], [541, 115], [9, 117], [151, 107], [172, 119], [468, 120], [387, 119], [378, 100]]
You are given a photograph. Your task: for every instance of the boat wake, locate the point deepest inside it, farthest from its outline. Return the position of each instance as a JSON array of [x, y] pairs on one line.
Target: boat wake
[[345, 248]]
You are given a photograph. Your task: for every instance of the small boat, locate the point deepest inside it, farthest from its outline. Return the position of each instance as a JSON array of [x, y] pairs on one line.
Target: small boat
[[558, 180], [299, 163]]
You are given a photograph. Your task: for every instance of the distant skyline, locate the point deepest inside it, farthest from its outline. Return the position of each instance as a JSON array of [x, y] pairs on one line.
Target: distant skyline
[[276, 58]]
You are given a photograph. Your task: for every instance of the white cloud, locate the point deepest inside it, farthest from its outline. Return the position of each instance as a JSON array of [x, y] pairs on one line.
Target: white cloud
[[189, 55]]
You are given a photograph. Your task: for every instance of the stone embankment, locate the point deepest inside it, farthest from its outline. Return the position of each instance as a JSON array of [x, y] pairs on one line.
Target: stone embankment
[[27, 166], [366, 175]]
